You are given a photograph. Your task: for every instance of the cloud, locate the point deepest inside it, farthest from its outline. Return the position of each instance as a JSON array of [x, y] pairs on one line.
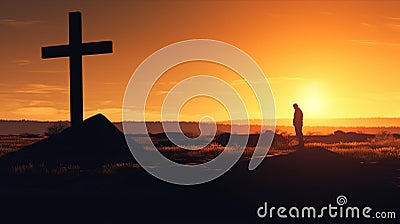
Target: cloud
[[112, 83], [41, 89], [241, 82], [41, 113], [165, 92], [374, 43], [17, 23], [159, 83], [40, 103], [106, 102], [366, 24], [47, 71], [108, 110], [393, 18], [22, 62], [394, 26], [286, 78], [392, 23]]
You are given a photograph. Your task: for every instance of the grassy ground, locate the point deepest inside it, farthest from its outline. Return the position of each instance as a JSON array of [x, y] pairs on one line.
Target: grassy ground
[[373, 151], [10, 143], [303, 178], [382, 147]]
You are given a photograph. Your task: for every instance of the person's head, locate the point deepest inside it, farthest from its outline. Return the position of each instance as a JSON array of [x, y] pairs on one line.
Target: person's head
[[295, 106]]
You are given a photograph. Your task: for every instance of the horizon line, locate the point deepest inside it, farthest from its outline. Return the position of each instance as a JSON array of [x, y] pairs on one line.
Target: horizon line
[[218, 121]]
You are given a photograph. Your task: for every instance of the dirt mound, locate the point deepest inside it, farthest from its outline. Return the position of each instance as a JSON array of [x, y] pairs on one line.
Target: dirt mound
[[98, 142]]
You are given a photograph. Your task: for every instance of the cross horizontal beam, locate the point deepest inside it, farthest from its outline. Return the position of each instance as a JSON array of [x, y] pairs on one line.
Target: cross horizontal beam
[[101, 47]]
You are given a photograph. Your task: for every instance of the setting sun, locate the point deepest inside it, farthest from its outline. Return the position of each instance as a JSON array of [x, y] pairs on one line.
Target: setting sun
[[313, 106], [312, 101]]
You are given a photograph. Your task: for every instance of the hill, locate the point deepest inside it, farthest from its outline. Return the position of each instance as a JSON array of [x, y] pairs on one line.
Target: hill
[[98, 142]]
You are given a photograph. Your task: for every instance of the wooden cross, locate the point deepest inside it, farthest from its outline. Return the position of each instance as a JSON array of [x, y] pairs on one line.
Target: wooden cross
[[74, 50]]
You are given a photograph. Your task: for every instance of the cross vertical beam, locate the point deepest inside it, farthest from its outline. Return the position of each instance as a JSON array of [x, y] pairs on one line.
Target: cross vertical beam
[[75, 66], [74, 50]]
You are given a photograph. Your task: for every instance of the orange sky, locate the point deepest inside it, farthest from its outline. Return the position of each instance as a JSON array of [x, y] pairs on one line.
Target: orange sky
[[335, 59]]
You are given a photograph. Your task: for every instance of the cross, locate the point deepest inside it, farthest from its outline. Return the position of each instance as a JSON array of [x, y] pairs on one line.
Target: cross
[[75, 50]]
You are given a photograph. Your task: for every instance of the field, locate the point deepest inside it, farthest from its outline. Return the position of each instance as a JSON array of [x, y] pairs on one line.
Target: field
[[383, 147], [366, 172], [11, 143]]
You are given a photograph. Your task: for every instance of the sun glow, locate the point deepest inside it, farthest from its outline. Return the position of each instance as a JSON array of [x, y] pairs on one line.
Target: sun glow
[[312, 102], [313, 105]]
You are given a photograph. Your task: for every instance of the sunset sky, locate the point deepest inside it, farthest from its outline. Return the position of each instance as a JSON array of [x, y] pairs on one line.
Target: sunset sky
[[335, 59]]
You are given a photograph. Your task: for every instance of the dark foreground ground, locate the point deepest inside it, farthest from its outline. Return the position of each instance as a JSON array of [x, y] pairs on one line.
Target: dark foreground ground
[[308, 177], [312, 176]]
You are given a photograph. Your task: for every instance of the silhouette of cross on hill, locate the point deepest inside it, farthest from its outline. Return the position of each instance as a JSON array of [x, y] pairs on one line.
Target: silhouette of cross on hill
[[75, 50]]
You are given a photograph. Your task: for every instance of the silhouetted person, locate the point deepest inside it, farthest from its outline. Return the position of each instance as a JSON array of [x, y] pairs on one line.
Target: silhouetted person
[[298, 124]]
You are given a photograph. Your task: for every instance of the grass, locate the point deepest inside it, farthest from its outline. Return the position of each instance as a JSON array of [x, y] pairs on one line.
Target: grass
[[382, 147], [10, 143], [376, 149], [42, 169], [109, 169], [187, 156]]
